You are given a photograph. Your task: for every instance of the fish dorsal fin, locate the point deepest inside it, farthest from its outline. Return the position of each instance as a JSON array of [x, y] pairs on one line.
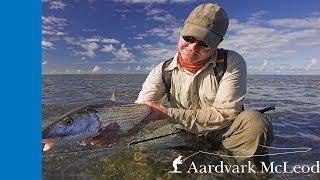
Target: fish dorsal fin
[[112, 97]]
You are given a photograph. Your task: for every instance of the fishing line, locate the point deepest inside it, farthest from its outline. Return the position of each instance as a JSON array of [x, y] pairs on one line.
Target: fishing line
[[101, 151], [81, 151], [110, 147], [298, 150]]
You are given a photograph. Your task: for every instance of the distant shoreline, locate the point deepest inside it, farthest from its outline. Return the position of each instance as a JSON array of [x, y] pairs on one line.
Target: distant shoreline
[[147, 74]]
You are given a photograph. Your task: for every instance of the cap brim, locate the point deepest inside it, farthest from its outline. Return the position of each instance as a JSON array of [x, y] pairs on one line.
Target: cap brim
[[200, 33]]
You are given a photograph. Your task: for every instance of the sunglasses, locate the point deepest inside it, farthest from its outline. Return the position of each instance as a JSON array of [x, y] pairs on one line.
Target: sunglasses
[[191, 39]]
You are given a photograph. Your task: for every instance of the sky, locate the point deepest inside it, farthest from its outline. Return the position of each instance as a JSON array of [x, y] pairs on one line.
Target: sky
[[133, 36]]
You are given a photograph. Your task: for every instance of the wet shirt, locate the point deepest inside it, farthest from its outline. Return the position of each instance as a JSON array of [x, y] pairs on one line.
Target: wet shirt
[[198, 102]]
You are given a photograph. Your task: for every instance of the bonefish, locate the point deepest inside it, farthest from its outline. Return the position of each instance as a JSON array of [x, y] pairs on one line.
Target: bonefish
[[90, 120]]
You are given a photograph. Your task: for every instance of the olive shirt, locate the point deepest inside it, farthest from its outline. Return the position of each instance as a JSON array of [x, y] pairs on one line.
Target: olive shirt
[[199, 95]]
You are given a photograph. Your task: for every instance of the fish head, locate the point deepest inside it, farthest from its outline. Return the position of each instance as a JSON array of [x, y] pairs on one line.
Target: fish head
[[76, 125]]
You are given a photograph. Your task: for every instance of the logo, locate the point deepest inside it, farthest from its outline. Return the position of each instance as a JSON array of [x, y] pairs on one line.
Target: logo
[[220, 167], [175, 165]]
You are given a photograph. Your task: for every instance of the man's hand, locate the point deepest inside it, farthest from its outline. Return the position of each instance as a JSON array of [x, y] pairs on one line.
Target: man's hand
[[158, 112], [107, 137], [110, 134]]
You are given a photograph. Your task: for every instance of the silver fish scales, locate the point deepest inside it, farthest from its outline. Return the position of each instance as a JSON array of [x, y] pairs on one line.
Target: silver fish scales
[[90, 120]]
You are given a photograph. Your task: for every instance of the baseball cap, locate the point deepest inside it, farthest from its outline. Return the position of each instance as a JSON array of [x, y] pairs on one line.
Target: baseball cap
[[207, 22]]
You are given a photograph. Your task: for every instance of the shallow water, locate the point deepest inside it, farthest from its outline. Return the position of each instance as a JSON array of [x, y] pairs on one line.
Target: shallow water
[[295, 122]]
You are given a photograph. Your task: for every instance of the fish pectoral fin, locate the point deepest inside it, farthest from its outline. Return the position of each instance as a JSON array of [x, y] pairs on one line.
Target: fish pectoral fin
[[113, 97]]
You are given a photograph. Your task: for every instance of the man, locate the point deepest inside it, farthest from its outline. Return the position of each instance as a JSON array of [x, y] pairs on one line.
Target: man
[[200, 102]]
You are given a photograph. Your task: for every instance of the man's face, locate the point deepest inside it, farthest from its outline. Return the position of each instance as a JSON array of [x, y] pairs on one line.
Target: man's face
[[193, 51]]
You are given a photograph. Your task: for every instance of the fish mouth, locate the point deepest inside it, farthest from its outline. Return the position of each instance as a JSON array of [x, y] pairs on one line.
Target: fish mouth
[[48, 144]]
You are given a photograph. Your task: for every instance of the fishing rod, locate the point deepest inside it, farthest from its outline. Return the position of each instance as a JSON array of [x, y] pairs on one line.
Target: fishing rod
[[158, 137], [139, 141], [270, 108]]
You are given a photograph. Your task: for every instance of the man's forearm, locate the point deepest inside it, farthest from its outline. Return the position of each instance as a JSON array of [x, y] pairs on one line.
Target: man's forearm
[[199, 120]]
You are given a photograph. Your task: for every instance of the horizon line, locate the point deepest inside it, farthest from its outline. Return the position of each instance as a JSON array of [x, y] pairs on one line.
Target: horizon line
[[147, 74]]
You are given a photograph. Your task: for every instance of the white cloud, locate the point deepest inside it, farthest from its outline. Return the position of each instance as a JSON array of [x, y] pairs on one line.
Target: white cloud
[[123, 53], [139, 37], [51, 20], [122, 10], [71, 40], [94, 39], [46, 45], [314, 65], [151, 12], [170, 34], [258, 39], [167, 18], [153, 1], [82, 60], [160, 32], [90, 54], [272, 67], [53, 26], [258, 14], [96, 69], [89, 30], [312, 22], [156, 53], [265, 63], [112, 41], [255, 17], [109, 62], [44, 63], [90, 46], [315, 14], [57, 5], [314, 61], [161, 15], [108, 48], [141, 1], [182, 1]]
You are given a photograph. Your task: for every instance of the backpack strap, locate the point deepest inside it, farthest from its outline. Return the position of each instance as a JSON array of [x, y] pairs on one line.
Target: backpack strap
[[221, 64], [166, 77]]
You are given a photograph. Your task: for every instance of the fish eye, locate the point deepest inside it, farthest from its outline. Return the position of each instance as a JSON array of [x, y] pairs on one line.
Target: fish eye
[[67, 121]]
